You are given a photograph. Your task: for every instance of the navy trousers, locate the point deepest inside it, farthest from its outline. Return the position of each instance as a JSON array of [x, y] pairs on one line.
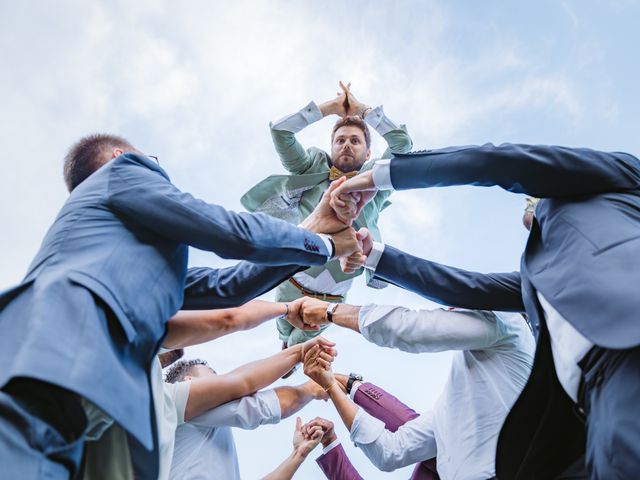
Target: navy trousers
[[31, 448], [610, 398]]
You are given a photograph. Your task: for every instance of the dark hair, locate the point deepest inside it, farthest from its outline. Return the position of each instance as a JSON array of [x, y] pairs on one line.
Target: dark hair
[[356, 122], [172, 356], [181, 369], [87, 155]]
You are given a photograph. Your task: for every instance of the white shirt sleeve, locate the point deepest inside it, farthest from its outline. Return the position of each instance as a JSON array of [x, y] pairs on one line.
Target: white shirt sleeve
[[381, 173], [247, 412], [374, 256], [379, 121], [331, 446], [179, 394], [328, 244], [413, 442], [297, 121], [430, 330]]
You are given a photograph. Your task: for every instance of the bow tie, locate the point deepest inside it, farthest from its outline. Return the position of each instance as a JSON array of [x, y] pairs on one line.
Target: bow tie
[[335, 174]]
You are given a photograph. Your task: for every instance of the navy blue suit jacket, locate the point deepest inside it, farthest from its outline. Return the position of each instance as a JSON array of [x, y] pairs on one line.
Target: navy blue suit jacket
[[112, 269], [583, 255]]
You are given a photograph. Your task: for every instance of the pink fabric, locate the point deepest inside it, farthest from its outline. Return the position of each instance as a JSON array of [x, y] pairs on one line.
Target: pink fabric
[[336, 465]]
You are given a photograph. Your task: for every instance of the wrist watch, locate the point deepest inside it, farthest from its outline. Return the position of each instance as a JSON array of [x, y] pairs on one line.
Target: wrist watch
[[330, 309], [353, 377]]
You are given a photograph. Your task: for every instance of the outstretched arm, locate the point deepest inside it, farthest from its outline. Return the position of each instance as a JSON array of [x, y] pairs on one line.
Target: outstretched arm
[[538, 170], [293, 399], [191, 327], [207, 288], [140, 192], [408, 330], [449, 285], [209, 392], [302, 447]]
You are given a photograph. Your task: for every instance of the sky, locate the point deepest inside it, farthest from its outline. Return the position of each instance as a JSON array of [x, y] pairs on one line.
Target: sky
[[196, 83]]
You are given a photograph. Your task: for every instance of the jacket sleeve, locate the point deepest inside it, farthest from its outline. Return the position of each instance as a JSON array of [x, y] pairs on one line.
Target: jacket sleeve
[[335, 465], [451, 286], [295, 159], [537, 170], [208, 288], [398, 141], [145, 196]]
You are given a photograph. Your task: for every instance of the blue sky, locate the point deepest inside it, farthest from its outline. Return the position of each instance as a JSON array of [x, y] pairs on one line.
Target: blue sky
[[197, 83]]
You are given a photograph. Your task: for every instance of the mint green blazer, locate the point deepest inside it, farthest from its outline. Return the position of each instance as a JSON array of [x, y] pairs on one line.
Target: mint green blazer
[[293, 197]]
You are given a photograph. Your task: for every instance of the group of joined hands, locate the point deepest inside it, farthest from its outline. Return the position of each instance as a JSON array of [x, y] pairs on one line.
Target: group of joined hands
[[317, 355], [340, 205]]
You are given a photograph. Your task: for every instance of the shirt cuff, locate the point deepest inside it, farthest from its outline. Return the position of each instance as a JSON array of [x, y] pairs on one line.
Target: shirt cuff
[[354, 389], [381, 173], [328, 243], [331, 446], [297, 121], [365, 428], [374, 256], [379, 121]]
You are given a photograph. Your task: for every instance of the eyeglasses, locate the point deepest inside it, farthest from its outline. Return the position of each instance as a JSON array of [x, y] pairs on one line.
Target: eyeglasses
[[155, 158]]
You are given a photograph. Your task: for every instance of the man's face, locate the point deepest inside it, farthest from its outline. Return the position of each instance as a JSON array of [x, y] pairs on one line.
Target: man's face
[[349, 150]]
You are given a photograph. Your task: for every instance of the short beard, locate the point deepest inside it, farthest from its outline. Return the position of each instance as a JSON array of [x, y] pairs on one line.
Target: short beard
[[351, 167]]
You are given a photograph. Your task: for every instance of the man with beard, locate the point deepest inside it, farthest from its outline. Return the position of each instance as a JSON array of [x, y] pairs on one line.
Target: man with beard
[[293, 197]]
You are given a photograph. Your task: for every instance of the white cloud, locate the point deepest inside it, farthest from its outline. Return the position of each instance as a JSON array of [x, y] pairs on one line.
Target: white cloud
[[197, 83]]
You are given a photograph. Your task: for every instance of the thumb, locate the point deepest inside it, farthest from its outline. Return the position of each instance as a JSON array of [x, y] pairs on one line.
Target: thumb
[[326, 342], [298, 424], [335, 184], [362, 234]]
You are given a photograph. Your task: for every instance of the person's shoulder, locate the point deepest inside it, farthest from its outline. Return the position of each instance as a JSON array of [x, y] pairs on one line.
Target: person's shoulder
[[136, 160]]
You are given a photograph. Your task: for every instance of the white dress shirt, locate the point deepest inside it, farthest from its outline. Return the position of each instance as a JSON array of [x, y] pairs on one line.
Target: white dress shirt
[[204, 446], [568, 346], [376, 118], [488, 372], [170, 401]]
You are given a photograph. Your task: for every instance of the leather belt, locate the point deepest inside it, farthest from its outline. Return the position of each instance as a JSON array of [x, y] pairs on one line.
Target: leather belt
[[320, 296]]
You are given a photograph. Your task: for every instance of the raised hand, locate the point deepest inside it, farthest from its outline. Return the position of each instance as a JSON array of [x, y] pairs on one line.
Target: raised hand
[[362, 184], [366, 240], [314, 311], [329, 435], [304, 441], [317, 366], [346, 210], [346, 243], [323, 219], [294, 317], [338, 105], [357, 259], [324, 349], [354, 106]]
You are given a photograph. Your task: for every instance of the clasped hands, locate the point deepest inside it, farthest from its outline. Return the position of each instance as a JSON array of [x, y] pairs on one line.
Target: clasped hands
[[349, 245]]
